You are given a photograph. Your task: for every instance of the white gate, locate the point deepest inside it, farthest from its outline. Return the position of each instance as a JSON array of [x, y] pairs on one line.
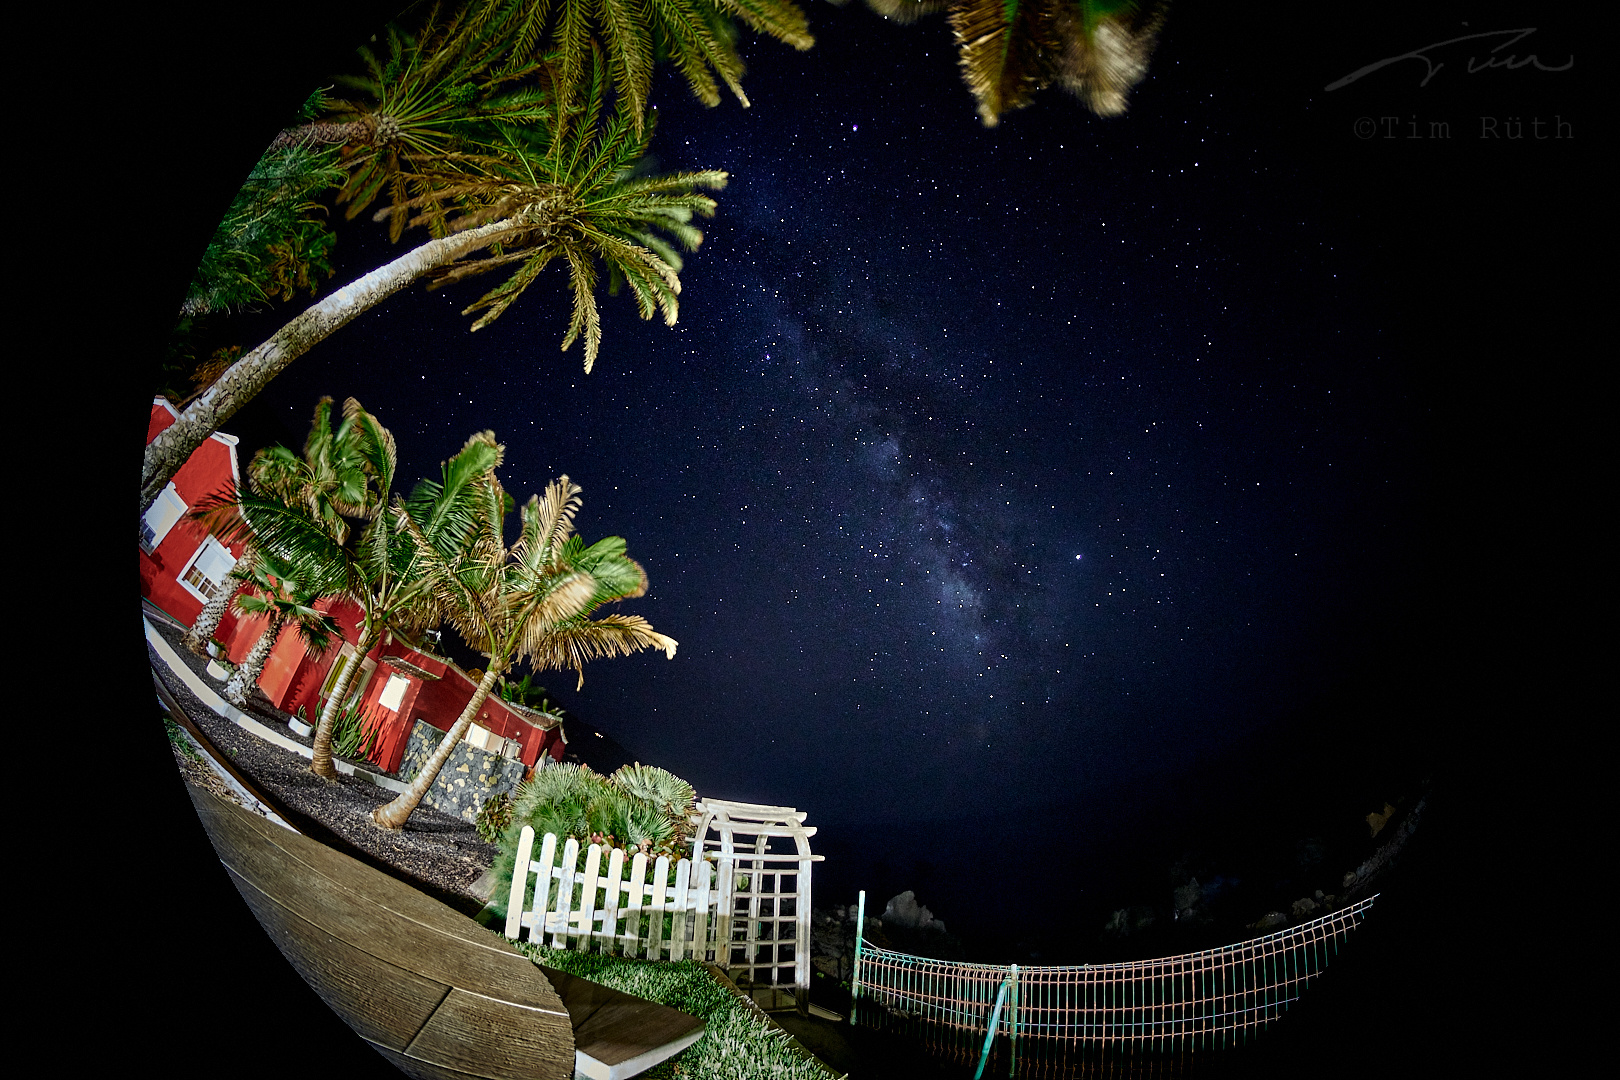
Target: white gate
[[741, 901]]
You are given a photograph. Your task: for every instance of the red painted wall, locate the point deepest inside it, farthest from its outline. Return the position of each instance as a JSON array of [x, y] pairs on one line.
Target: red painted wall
[[209, 468]]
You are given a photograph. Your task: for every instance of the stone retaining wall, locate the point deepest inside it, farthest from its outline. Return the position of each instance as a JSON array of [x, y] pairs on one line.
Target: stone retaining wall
[[470, 778]]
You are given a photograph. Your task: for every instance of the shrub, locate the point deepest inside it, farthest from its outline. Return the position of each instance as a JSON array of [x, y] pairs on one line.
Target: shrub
[[494, 818], [639, 808], [351, 737]]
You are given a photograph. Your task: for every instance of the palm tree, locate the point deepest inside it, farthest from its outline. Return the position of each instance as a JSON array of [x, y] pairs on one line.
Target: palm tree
[[532, 599], [320, 515], [359, 557], [331, 484], [272, 592], [446, 88], [341, 478], [213, 612], [1011, 49], [580, 203], [574, 198], [381, 573]]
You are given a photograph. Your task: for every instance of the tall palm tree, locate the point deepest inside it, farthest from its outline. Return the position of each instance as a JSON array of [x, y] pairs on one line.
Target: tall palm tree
[[573, 197], [331, 483], [381, 572], [359, 558], [533, 599], [284, 601]]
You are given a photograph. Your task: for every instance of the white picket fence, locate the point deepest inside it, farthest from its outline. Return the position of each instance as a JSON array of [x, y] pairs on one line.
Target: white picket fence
[[592, 910]]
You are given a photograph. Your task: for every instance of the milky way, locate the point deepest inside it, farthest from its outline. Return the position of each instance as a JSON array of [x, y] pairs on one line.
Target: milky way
[[920, 368]]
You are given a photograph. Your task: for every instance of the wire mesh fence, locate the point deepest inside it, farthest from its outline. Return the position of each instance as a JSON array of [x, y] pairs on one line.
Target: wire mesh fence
[[1146, 1010]]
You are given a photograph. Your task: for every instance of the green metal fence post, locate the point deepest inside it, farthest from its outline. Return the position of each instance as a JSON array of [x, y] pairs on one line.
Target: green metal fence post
[[1012, 1022], [855, 980], [990, 1034]]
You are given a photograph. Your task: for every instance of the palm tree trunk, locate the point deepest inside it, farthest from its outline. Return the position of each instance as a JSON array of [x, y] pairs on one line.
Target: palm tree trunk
[[394, 815], [243, 680], [202, 631], [166, 453], [320, 762]]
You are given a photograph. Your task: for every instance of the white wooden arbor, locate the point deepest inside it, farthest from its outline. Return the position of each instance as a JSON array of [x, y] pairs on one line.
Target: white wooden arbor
[[763, 857]]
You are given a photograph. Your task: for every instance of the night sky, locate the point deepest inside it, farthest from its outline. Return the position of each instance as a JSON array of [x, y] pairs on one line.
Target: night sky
[[1109, 488], [983, 467]]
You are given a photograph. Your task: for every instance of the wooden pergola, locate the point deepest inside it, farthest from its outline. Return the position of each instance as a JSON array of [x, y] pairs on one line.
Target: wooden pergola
[[763, 858]]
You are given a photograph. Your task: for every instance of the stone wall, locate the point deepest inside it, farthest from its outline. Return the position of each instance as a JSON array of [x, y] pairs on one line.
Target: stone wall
[[470, 778]]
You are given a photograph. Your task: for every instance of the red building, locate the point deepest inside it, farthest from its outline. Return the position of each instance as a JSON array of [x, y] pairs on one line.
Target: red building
[[182, 566]]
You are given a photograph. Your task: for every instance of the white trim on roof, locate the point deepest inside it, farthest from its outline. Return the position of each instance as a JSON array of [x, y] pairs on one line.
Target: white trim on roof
[[227, 440]]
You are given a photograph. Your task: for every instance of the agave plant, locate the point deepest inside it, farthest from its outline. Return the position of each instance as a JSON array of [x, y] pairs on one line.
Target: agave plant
[[638, 808], [661, 788], [566, 782]]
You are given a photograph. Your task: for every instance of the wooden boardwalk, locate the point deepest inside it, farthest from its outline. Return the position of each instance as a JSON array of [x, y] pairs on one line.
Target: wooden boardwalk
[[429, 989], [617, 1035], [432, 991]]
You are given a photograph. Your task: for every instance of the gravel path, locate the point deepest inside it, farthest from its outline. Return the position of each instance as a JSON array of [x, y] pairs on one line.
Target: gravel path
[[434, 851]]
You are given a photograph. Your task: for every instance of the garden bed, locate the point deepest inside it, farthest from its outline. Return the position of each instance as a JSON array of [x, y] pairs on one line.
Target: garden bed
[[440, 853]]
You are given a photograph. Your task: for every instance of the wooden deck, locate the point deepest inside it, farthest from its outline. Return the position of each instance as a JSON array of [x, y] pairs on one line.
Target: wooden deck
[[617, 1035], [429, 989], [432, 991]]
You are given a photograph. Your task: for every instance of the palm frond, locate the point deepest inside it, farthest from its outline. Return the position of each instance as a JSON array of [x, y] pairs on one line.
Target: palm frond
[[1003, 47], [585, 319], [1009, 50], [1106, 47], [571, 647], [549, 518]]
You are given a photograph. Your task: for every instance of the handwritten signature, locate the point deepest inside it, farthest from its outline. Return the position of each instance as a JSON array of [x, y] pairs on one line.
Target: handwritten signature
[[1510, 61]]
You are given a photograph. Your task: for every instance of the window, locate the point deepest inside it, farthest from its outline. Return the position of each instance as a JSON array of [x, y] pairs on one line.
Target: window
[[161, 518], [394, 692], [361, 677], [206, 572], [485, 739]]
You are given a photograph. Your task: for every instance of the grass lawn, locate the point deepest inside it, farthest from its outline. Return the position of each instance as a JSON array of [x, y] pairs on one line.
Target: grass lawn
[[736, 1044]]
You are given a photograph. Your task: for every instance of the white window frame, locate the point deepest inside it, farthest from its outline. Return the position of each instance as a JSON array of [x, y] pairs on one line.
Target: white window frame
[[164, 514], [209, 546]]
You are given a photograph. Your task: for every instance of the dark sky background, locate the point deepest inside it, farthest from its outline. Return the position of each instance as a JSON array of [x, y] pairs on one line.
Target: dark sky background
[[986, 471], [1075, 493]]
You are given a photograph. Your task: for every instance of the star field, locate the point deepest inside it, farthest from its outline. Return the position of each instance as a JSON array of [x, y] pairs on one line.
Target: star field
[[1040, 457]]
